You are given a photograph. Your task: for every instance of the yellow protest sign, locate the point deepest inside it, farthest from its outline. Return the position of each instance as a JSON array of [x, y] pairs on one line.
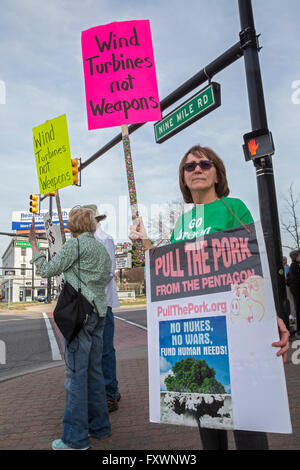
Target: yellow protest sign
[[52, 154]]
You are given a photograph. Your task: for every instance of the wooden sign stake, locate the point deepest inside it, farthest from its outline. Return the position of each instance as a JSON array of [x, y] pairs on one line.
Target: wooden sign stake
[[131, 187], [61, 223]]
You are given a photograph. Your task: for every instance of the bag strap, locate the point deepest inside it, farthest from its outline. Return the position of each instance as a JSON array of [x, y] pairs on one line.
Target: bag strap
[[78, 275], [246, 228]]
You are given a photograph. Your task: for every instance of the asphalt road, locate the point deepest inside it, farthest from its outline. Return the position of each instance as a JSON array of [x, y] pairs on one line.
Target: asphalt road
[[27, 341], [24, 344], [138, 316]]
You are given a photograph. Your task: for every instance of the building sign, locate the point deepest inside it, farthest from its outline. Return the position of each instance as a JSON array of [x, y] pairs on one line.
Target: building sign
[[211, 322], [124, 261], [21, 220], [44, 282], [123, 248], [10, 272]]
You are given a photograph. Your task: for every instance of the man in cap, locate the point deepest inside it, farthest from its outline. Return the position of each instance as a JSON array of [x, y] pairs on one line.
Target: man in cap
[[109, 353], [293, 279], [290, 297]]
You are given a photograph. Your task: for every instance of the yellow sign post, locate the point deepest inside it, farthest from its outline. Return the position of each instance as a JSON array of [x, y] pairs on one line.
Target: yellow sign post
[[52, 154]]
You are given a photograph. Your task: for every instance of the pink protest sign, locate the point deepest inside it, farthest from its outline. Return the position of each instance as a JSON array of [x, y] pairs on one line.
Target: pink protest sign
[[119, 73]]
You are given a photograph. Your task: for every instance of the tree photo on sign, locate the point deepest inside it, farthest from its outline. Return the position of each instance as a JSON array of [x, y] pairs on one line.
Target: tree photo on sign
[[194, 366], [195, 376], [198, 399]]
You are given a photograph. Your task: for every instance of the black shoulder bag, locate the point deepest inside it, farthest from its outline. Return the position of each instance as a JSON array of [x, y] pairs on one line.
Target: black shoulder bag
[[72, 309]]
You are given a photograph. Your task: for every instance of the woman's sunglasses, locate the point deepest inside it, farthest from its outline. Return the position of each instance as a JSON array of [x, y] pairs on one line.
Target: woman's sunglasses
[[205, 165]]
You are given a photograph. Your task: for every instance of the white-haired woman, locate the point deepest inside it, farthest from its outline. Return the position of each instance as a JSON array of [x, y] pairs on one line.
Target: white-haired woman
[[86, 412]]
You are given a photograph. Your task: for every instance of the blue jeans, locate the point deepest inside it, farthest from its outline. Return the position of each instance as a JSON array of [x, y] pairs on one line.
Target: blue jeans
[[109, 356], [86, 409]]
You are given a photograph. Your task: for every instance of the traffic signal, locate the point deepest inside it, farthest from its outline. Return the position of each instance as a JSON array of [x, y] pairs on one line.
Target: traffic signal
[[75, 170], [34, 203], [258, 144]]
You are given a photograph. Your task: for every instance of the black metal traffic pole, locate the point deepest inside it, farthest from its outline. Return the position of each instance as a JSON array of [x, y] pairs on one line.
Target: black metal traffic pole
[[264, 168]]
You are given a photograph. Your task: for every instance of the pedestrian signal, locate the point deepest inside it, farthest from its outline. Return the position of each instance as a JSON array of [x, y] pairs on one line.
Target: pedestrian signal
[[75, 170], [34, 203], [258, 144]]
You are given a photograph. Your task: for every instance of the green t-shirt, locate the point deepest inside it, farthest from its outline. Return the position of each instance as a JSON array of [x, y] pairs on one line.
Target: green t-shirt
[[203, 219]]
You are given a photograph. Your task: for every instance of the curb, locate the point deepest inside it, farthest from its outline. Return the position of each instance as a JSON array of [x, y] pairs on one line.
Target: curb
[[31, 371]]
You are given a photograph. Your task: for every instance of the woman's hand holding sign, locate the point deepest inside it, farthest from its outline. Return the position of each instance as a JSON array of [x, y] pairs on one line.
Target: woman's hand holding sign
[[283, 343], [138, 232], [32, 237]]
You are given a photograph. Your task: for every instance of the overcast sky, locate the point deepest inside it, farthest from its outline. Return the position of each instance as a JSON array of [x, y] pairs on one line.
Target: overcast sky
[[41, 68]]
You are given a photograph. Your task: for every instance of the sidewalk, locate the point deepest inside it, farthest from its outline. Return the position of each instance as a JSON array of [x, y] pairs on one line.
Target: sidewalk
[[32, 406]]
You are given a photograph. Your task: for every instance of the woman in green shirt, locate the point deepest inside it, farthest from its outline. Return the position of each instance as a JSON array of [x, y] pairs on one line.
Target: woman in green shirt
[[86, 412], [203, 182]]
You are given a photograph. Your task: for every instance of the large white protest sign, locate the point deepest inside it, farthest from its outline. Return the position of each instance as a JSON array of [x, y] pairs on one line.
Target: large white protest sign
[[211, 322]]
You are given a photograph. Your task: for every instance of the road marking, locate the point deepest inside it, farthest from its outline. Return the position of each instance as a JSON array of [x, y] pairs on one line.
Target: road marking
[[33, 315], [131, 323], [2, 352], [56, 356]]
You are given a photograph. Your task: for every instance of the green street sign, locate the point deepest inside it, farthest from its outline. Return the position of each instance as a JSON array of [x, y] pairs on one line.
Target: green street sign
[[194, 108], [23, 244]]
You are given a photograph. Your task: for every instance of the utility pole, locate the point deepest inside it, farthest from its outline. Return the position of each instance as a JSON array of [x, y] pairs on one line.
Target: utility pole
[[32, 283], [264, 168]]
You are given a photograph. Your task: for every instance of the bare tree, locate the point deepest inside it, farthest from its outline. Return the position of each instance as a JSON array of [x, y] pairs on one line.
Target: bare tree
[[291, 227]]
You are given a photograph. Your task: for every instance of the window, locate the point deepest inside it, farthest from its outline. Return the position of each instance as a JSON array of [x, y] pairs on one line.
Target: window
[[23, 251], [23, 270]]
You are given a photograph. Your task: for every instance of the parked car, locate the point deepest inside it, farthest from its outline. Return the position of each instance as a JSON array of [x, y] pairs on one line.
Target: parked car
[[42, 298]]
